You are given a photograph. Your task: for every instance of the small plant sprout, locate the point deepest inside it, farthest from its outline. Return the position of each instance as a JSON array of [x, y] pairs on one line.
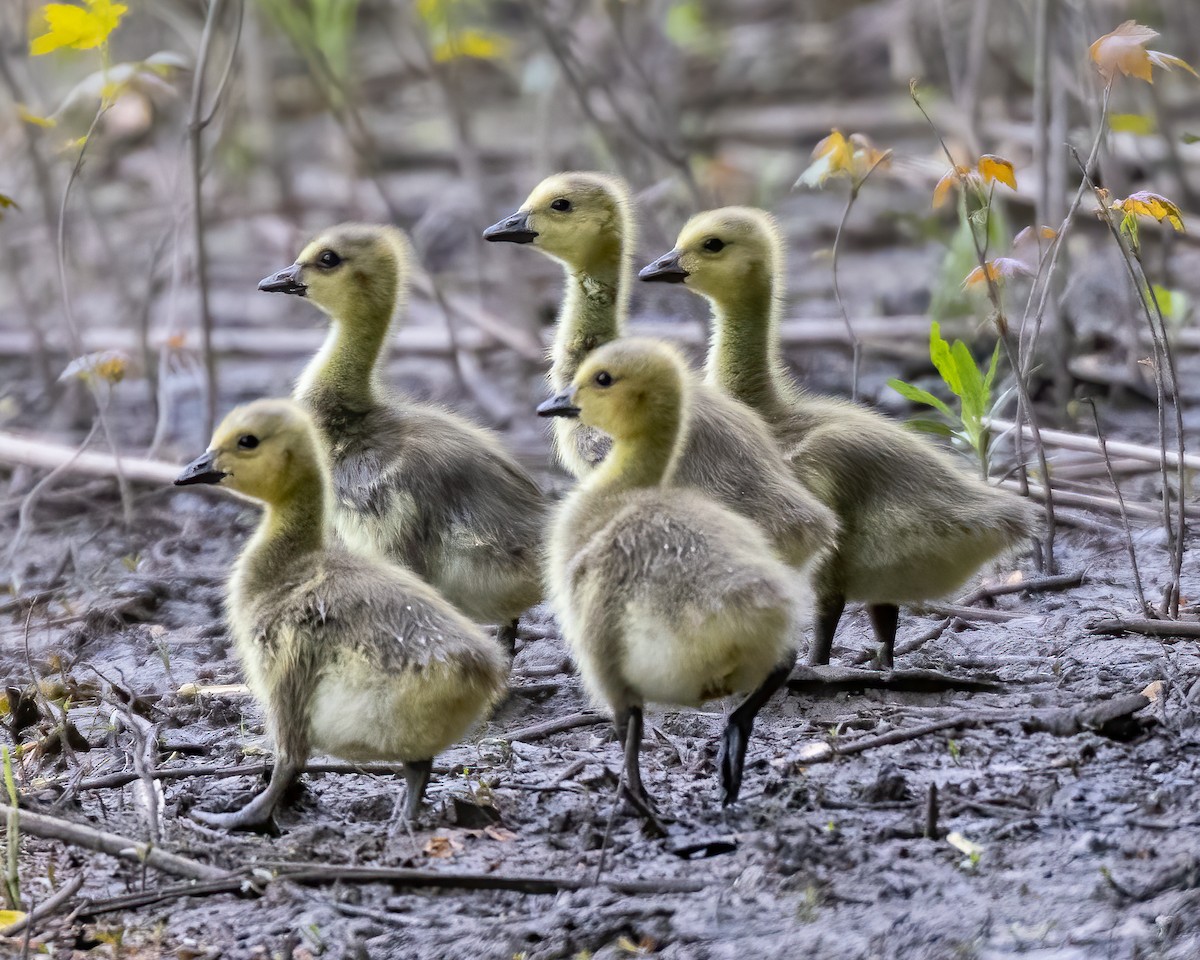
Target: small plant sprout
[[854, 159], [962, 376], [972, 850]]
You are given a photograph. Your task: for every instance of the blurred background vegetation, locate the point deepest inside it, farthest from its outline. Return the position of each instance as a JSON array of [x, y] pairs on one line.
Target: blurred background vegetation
[[440, 115]]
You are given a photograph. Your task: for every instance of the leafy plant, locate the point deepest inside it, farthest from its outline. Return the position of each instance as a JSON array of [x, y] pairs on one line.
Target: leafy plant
[[972, 387], [12, 881]]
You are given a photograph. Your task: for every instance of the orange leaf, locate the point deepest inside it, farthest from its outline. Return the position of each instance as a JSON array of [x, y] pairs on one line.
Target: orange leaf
[[1027, 234], [946, 184], [1147, 204], [993, 168], [442, 847], [1124, 50], [996, 270]]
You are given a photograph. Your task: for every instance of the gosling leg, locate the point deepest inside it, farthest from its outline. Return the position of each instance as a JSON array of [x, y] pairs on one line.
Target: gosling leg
[[416, 777], [507, 634], [629, 731], [884, 619], [731, 756], [829, 613], [258, 811]]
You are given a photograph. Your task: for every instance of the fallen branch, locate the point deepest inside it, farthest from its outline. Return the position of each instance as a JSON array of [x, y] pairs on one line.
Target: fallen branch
[[1103, 718], [1071, 498], [124, 777], [547, 728], [1088, 444], [123, 848], [323, 873], [29, 452], [232, 883], [1149, 628], [829, 680], [46, 907]]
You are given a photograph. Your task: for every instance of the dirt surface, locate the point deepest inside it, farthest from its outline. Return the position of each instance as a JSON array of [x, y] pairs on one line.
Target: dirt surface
[[1081, 845], [1086, 845]]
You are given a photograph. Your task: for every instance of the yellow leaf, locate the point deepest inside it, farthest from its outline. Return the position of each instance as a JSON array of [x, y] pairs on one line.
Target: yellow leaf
[[77, 144], [471, 43], [75, 27], [1147, 204], [6, 202], [9, 917], [28, 116], [993, 168]]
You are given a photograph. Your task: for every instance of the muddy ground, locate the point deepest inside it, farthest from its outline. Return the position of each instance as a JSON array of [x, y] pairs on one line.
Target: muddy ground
[[1087, 844], [1070, 847]]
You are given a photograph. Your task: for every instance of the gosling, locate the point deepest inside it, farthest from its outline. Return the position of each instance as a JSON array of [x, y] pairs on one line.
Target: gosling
[[663, 594], [913, 524], [585, 221], [347, 654], [415, 483]]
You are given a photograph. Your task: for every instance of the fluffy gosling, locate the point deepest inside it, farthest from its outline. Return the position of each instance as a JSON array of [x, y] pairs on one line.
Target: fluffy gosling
[[347, 654]]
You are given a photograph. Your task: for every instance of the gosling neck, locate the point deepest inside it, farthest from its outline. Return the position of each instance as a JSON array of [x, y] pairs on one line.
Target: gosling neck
[[743, 354], [347, 366], [595, 302], [292, 528], [645, 459]]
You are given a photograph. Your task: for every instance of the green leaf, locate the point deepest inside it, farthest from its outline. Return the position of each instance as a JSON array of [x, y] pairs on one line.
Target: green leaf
[[990, 378], [930, 426], [939, 353], [1190, 138], [917, 395], [969, 376]]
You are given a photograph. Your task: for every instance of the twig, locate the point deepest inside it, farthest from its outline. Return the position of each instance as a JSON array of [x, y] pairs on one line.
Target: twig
[[322, 873], [1058, 581], [46, 907], [1072, 498], [831, 680], [1148, 628], [123, 848], [36, 453], [547, 728], [1119, 448], [124, 777], [233, 883], [971, 613], [1061, 722]]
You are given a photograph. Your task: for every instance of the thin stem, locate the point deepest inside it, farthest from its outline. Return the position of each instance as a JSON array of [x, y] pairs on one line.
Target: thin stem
[[1162, 352], [1025, 404], [69, 314], [855, 343], [1112, 477], [197, 121]]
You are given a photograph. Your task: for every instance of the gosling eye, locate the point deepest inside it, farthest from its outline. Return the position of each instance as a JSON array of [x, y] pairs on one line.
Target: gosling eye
[[328, 259], [714, 244], [603, 379], [561, 204], [247, 441]]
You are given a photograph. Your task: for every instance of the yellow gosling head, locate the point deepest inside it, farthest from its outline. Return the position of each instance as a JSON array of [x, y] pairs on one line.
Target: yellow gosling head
[[580, 219], [630, 388], [267, 450], [355, 272], [719, 251]]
